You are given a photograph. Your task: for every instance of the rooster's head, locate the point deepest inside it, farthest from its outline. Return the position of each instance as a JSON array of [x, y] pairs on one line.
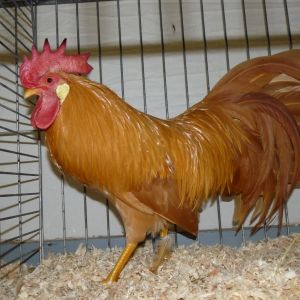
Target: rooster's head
[[40, 75]]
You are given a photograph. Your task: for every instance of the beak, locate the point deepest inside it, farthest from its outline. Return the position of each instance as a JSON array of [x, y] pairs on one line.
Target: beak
[[31, 92]]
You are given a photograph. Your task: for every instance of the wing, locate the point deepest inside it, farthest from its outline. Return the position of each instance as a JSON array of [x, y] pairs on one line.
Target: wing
[[161, 198]]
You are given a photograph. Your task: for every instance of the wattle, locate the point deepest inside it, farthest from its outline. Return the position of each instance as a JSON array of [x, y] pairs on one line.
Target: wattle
[[45, 111]]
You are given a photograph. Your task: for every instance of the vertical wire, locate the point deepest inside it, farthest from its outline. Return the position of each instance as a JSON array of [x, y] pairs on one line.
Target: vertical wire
[[220, 220], [86, 231], [287, 220], [143, 73], [120, 47], [34, 23], [101, 80], [269, 53], [142, 56], [108, 223], [266, 26], [20, 225], [248, 57], [185, 77], [266, 231], [225, 35], [163, 59], [77, 27], [63, 211], [120, 50], [245, 29], [286, 11], [99, 42], [287, 19], [184, 56], [165, 79], [205, 63], [227, 68], [56, 24], [205, 47], [62, 181], [41, 208]]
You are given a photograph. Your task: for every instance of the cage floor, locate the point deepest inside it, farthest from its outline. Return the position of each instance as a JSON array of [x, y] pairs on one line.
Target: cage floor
[[262, 270]]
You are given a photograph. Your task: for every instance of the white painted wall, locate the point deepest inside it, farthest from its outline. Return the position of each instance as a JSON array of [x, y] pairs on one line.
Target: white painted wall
[[133, 90]]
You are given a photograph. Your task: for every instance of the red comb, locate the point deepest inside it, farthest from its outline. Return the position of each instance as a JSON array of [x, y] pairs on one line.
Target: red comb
[[47, 60]]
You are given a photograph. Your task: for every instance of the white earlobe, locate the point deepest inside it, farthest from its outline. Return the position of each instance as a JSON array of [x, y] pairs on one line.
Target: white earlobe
[[62, 91]]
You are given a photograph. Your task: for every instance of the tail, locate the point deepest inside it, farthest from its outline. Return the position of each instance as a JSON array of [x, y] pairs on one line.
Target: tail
[[277, 76], [269, 168]]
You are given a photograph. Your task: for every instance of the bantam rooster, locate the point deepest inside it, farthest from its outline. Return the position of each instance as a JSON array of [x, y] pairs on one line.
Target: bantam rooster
[[241, 141]]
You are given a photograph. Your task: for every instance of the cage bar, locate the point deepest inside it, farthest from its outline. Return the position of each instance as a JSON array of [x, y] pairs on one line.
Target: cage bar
[[17, 143]]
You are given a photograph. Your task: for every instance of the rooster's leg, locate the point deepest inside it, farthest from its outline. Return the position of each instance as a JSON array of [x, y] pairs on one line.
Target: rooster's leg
[[123, 259], [163, 233], [163, 251]]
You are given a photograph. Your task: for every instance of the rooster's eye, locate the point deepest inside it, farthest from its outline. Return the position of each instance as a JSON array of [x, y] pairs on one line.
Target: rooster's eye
[[49, 79]]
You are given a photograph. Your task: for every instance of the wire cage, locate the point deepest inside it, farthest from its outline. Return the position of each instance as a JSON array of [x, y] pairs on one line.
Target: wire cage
[[20, 209], [161, 57]]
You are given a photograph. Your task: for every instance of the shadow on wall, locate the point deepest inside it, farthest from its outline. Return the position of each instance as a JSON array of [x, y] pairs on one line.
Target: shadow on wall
[[171, 47]]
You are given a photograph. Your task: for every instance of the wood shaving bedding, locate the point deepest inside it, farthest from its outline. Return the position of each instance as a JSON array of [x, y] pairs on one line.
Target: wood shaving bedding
[[263, 270]]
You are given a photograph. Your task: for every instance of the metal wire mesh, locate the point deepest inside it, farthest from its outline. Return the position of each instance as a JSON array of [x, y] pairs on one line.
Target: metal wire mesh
[[20, 173], [21, 30]]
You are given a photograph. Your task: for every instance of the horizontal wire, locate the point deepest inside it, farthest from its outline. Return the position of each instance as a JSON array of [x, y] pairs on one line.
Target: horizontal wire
[[14, 111], [24, 201], [21, 10], [17, 236], [18, 133], [9, 250], [22, 242], [13, 17], [11, 184], [19, 153], [18, 173], [10, 89], [24, 104], [52, 2], [33, 252], [7, 48], [9, 69], [10, 4], [12, 33], [17, 194], [17, 216], [30, 254], [29, 4]]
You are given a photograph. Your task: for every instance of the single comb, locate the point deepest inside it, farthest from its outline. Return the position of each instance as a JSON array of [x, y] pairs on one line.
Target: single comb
[[47, 60]]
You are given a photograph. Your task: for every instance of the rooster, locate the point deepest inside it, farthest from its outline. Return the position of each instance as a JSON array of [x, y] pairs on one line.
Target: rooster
[[242, 141]]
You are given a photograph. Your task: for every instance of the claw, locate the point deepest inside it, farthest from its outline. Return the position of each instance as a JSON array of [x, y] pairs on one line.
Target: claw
[[108, 280]]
